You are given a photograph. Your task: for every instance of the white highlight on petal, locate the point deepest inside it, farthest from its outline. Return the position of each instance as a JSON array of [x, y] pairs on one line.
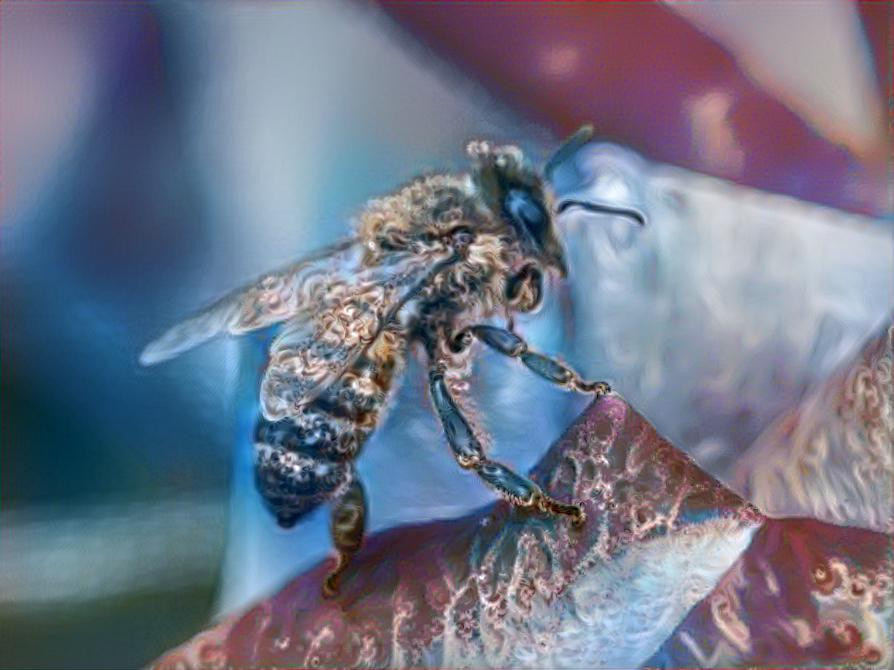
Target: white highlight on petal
[[811, 55]]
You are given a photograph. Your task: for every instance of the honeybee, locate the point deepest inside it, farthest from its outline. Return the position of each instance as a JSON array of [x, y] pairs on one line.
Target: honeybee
[[430, 266]]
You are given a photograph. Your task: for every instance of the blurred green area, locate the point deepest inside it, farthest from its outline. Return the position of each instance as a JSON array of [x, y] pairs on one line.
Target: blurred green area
[[97, 563], [124, 632], [51, 503]]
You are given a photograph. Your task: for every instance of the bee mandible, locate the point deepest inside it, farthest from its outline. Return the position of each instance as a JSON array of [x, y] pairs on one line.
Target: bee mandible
[[429, 266]]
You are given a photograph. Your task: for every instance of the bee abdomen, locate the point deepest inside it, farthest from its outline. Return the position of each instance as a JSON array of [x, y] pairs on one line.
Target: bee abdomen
[[293, 484], [302, 462], [307, 458]]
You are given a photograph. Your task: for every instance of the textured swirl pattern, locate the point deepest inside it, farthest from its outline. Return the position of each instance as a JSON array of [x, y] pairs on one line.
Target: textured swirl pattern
[[506, 588], [832, 457], [670, 570], [805, 594]]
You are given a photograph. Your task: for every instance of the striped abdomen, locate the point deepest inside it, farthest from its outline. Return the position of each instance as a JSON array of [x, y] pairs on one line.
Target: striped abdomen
[[302, 460]]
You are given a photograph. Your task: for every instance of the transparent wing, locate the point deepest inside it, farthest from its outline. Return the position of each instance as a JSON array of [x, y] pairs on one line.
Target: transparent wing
[[277, 296], [311, 354]]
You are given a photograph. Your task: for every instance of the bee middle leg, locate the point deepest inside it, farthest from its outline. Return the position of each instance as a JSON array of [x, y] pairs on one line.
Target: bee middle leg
[[348, 524], [510, 344], [469, 453]]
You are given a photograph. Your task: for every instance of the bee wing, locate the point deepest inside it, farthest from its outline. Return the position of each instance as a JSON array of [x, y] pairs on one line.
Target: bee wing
[[310, 355], [277, 296]]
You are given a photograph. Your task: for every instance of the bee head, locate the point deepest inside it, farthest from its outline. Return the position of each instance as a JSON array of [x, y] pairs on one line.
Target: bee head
[[521, 195], [516, 192]]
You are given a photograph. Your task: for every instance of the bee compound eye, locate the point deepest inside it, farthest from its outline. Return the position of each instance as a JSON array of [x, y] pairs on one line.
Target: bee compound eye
[[526, 211]]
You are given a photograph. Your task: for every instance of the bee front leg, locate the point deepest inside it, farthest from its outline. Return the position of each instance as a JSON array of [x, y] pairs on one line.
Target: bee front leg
[[469, 453], [348, 525], [510, 344]]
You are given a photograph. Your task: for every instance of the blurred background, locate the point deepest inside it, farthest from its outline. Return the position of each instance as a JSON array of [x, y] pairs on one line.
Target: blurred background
[[155, 155]]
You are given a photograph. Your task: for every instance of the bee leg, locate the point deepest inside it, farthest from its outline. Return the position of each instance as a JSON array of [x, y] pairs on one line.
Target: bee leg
[[348, 524], [469, 453], [522, 492], [510, 344]]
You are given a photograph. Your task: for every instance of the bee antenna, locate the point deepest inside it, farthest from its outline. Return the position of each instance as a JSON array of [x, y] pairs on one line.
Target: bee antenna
[[568, 148], [601, 208]]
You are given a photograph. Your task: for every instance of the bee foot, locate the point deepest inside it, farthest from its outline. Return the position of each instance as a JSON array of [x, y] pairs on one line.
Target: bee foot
[[330, 586], [598, 389], [333, 579], [576, 512]]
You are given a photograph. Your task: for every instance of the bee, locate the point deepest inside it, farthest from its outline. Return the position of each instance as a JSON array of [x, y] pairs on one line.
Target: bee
[[429, 268]]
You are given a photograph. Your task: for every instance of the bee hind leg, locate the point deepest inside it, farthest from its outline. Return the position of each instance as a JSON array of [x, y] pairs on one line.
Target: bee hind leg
[[509, 344], [347, 525], [469, 453]]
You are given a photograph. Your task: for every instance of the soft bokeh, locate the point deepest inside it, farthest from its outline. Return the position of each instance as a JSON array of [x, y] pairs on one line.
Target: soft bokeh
[[156, 155]]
